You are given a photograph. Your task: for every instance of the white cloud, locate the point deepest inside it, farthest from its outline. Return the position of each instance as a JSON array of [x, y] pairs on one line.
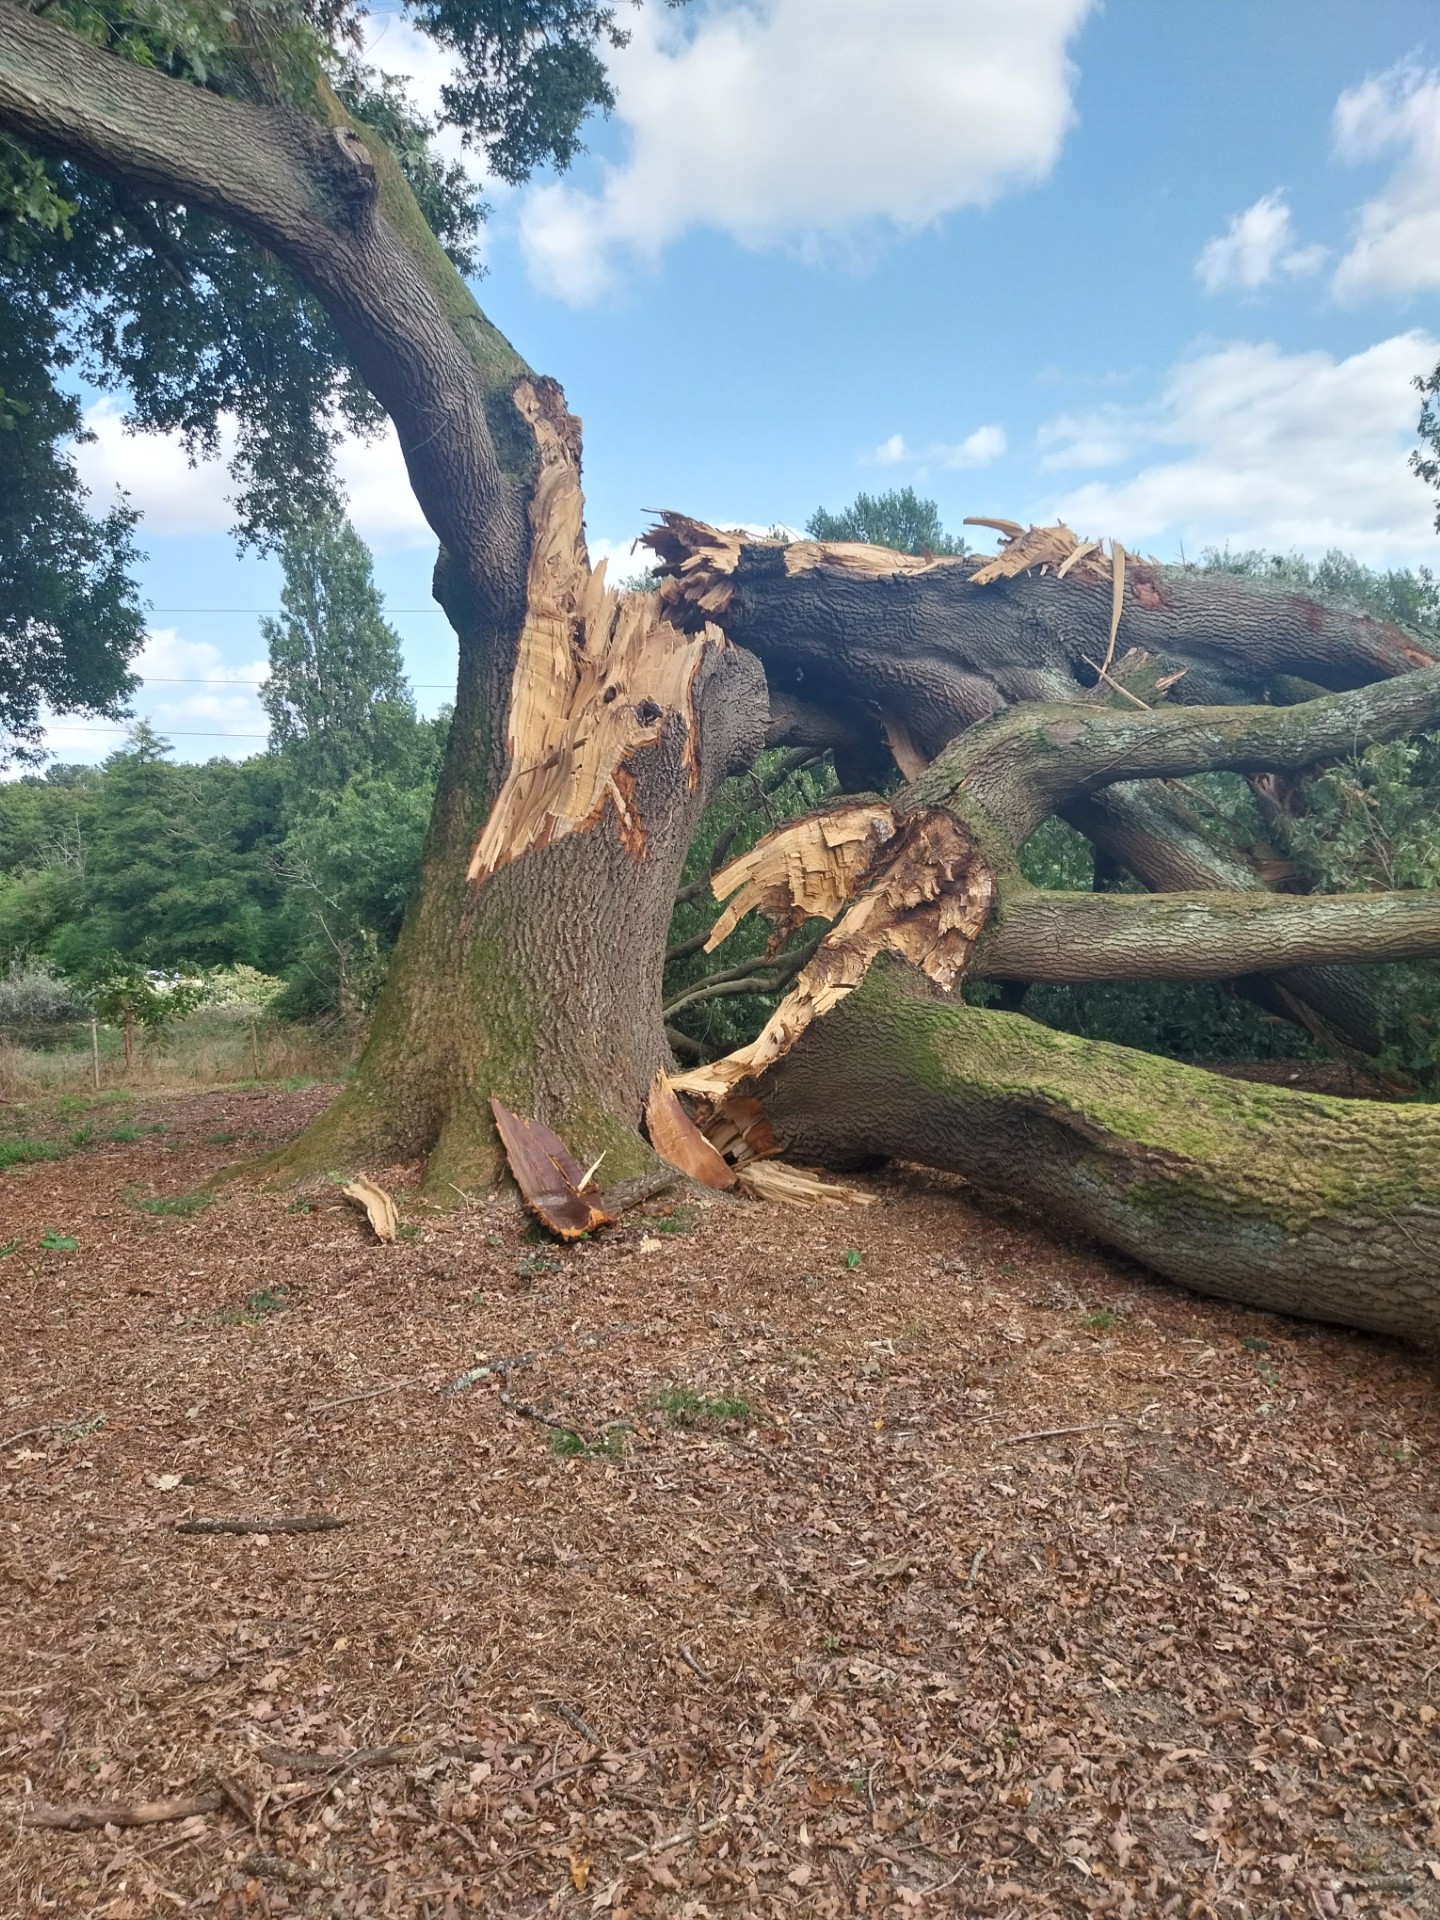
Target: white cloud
[[977, 449], [811, 121], [1397, 247], [1248, 445], [189, 692], [176, 498], [1256, 245]]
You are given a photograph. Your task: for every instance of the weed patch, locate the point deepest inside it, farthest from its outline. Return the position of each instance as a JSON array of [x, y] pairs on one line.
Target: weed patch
[[687, 1407], [24, 1153], [181, 1206]]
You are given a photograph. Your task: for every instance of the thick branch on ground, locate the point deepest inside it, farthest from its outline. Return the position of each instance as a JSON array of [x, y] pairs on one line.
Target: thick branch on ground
[[931, 649], [1329, 1209], [1030, 762], [1070, 938]]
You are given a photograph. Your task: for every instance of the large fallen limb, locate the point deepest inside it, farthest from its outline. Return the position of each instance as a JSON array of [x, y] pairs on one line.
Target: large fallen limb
[[1031, 761], [928, 646], [1147, 829], [1071, 938], [1329, 1209]]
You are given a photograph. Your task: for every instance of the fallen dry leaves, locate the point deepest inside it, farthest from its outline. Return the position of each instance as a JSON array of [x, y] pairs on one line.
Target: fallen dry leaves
[[969, 1571]]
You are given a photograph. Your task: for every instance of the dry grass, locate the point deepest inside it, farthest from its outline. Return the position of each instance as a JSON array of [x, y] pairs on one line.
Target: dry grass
[[211, 1049], [883, 1641]]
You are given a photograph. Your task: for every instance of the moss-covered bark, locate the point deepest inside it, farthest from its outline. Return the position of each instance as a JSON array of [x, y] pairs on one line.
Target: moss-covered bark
[[1324, 1208]]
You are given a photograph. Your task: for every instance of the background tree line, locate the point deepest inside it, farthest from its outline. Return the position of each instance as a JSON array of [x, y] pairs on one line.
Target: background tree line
[[298, 861]]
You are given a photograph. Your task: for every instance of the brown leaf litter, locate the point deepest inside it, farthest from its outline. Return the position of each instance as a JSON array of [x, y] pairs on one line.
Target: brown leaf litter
[[916, 1558]]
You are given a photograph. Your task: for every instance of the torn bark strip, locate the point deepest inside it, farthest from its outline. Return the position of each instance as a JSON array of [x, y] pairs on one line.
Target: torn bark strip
[[598, 674], [676, 1138], [293, 1523], [550, 1179]]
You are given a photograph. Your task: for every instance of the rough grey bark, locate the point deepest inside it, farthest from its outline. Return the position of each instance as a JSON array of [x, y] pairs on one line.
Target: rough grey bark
[[1029, 762], [1072, 938], [1327, 1209], [940, 653]]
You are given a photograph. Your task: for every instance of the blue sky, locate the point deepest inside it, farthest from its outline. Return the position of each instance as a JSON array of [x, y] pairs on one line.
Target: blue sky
[[1165, 267]]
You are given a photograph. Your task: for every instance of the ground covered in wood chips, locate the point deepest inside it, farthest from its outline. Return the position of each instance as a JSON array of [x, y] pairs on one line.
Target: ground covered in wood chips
[[758, 1581]]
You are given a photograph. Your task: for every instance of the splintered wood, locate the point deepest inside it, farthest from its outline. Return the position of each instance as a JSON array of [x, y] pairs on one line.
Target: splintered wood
[[677, 1139], [803, 871], [925, 895], [799, 1186], [551, 1180], [380, 1209], [598, 674]]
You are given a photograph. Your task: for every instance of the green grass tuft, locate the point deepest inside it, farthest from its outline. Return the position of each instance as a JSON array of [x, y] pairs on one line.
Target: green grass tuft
[[689, 1408], [24, 1153]]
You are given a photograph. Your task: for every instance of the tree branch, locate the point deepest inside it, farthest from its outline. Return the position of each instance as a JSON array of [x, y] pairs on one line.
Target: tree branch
[[1030, 761], [330, 200], [1071, 938]]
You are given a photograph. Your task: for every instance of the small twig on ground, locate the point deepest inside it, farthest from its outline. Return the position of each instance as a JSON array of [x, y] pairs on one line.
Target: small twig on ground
[[678, 1839], [304, 1760], [295, 1523], [371, 1393], [976, 1564], [123, 1813], [694, 1665], [30, 1433], [1057, 1433], [569, 1715]]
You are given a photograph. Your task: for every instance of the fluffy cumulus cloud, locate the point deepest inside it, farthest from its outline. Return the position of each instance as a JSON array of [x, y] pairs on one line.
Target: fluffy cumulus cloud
[[977, 449], [1250, 446], [811, 121], [1258, 245], [1396, 249], [176, 498], [190, 693]]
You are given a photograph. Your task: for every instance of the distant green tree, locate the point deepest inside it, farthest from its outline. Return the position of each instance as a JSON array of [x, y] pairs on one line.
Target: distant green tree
[[337, 697], [899, 519]]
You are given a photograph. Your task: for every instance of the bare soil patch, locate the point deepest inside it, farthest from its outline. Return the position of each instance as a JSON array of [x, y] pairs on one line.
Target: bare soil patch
[[788, 1610]]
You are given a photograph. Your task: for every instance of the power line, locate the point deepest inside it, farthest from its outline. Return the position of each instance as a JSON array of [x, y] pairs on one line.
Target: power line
[[182, 680], [278, 610]]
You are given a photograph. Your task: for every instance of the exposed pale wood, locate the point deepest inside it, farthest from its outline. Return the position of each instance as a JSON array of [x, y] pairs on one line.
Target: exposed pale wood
[[380, 1209], [741, 1131], [598, 674], [926, 896], [551, 1180], [805, 870], [799, 1186], [676, 1138]]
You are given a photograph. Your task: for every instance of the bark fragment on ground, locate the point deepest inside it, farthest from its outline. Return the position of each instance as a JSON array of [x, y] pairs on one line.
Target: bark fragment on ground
[[552, 1183]]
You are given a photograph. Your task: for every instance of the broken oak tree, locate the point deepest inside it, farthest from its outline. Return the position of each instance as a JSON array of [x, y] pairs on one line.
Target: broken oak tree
[[591, 727]]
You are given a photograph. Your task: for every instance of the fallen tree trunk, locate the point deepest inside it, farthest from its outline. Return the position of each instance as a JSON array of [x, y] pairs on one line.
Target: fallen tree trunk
[[1328, 1209]]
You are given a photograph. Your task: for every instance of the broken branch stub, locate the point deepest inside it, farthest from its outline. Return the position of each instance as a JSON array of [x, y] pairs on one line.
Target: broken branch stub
[[598, 675], [677, 1139], [550, 1179], [925, 895]]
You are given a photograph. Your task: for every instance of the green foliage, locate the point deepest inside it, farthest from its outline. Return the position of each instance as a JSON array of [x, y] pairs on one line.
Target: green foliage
[[688, 1407], [70, 618], [26, 1153], [744, 808], [899, 519], [58, 1243]]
